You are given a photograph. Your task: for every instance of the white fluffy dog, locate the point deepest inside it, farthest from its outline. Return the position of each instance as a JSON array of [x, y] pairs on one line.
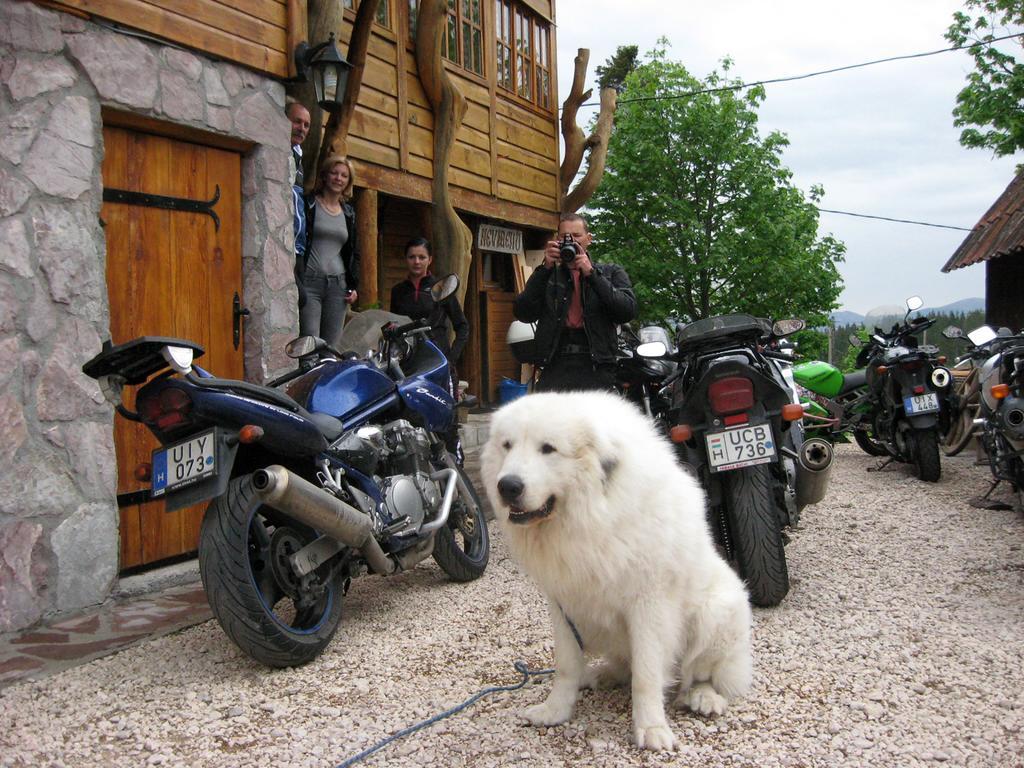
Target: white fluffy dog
[[597, 511]]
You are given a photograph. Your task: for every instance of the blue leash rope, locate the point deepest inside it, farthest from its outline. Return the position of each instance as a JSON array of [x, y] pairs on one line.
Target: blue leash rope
[[520, 667]]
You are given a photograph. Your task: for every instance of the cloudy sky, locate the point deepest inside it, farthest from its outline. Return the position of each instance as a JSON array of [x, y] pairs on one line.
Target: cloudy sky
[[879, 139]]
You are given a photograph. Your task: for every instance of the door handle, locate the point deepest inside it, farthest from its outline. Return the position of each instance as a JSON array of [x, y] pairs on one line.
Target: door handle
[[237, 313]]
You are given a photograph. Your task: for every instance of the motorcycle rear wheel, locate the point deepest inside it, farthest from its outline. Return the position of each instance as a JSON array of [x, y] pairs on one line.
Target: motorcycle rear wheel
[[868, 444], [926, 455], [961, 428], [463, 546], [755, 533], [259, 602]]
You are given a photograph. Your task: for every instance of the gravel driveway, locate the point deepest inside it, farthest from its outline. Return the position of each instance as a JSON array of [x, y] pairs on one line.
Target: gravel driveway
[[901, 643]]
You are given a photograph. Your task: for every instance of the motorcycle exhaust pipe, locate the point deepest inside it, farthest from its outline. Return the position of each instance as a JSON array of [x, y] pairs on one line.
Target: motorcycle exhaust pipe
[[286, 491], [813, 469]]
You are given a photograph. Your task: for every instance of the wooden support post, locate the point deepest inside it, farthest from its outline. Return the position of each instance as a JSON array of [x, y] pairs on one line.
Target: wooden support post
[[297, 32], [366, 232]]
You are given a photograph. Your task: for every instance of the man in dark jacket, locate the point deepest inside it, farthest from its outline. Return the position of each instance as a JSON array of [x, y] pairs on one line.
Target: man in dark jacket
[[577, 305]]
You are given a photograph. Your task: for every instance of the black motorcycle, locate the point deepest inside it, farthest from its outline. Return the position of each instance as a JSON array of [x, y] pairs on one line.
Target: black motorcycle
[[907, 408], [640, 378], [733, 413]]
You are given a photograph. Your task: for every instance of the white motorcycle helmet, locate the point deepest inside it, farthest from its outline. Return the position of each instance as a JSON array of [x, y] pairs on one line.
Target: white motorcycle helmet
[[521, 340]]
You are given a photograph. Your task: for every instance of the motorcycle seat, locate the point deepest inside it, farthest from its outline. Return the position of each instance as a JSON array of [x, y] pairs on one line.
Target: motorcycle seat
[[853, 380], [330, 427], [327, 424]]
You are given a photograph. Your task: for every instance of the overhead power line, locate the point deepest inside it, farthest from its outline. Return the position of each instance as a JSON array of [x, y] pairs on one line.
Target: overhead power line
[[741, 86], [898, 221]]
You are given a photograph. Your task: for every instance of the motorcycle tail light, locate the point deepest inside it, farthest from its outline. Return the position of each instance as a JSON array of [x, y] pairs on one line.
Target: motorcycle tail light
[[1000, 391], [731, 395], [941, 359], [736, 418], [911, 365], [881, 369], [166, 409], [919, 389]]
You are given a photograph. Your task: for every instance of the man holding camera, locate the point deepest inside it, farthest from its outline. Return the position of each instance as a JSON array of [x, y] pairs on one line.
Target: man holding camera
[[577, 305]]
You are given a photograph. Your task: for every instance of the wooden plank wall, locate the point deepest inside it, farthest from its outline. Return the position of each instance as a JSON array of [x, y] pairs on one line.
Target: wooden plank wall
[[249, 32], [505, 149]]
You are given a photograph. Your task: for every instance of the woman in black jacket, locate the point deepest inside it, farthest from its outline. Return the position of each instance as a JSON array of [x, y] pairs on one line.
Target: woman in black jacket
[[412, 298], [327, 271]]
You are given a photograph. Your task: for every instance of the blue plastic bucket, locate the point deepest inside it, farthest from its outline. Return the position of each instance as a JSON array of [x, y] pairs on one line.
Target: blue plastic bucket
[[509, 390]]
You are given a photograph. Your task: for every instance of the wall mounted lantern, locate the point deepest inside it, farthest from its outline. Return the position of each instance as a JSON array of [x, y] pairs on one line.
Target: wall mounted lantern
[[329, 70]]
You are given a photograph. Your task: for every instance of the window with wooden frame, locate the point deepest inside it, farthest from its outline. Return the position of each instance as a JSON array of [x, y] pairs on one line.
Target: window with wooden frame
[[383, 11], [462, 41], [523, 56]]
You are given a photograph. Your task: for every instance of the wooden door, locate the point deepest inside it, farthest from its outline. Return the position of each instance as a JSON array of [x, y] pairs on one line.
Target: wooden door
[[169, 273], [501, 363]]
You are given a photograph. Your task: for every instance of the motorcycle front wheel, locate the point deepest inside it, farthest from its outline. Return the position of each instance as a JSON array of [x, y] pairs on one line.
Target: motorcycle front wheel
[[276, 617], [755, 533], [868, 444], [463, 546], [926, 455]]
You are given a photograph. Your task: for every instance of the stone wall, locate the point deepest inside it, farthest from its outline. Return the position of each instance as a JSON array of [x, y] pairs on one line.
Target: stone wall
[[58, 512]]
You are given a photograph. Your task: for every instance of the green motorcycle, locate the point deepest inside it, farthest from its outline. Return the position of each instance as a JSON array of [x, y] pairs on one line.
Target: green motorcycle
[[836, 404]]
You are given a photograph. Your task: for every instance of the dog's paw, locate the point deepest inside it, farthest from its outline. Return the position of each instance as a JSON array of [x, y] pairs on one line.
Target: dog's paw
[[655, 738], [704, 700], [546, 713]]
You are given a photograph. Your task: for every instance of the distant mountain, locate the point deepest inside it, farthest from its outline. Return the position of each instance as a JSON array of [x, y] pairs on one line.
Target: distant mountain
[[846, 317], [964, 305]]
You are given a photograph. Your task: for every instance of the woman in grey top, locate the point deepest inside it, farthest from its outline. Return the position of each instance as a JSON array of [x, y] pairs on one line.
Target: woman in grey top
[[327, 272]]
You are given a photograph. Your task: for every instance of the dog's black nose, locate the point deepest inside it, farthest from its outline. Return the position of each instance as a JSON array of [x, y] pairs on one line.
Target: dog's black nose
[[510, 487]]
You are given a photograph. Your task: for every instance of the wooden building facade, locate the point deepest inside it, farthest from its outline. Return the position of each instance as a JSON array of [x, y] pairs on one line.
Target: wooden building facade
[[504, 170], [108, 107]]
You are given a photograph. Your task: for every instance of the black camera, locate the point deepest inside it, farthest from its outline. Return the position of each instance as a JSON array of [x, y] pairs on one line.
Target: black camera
[[568, 250]]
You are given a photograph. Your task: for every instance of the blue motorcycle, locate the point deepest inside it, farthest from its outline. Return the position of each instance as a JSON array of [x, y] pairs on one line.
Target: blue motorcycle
[[344, 472]]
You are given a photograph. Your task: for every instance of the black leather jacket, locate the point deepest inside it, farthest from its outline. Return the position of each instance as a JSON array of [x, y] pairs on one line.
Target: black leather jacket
[[608, 300], [349, 251], [417, 304]]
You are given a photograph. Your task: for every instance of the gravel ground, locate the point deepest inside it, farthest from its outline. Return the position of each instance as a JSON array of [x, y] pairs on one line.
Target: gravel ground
[[900, 644]]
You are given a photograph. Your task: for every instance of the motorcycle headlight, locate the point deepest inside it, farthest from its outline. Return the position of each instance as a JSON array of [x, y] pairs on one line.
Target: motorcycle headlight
[[941, 377]]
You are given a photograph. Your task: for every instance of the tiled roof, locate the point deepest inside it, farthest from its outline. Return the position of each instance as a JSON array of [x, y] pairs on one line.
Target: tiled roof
[[999, 232]]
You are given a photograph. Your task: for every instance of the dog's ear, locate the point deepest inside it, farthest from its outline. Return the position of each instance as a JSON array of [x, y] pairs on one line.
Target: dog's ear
[[601, 447]]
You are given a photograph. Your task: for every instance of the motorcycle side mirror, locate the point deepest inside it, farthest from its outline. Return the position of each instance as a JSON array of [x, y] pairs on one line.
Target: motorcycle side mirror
[[782, 328], [179, 358], [652, 349], [444, 287], [914, 302], [855, 340], [983, 334], [304, 345], [952, 332]]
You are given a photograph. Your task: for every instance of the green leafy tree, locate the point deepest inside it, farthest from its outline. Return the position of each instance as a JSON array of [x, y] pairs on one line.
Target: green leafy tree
[[699, 209], [990, 107], [615, 71]]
